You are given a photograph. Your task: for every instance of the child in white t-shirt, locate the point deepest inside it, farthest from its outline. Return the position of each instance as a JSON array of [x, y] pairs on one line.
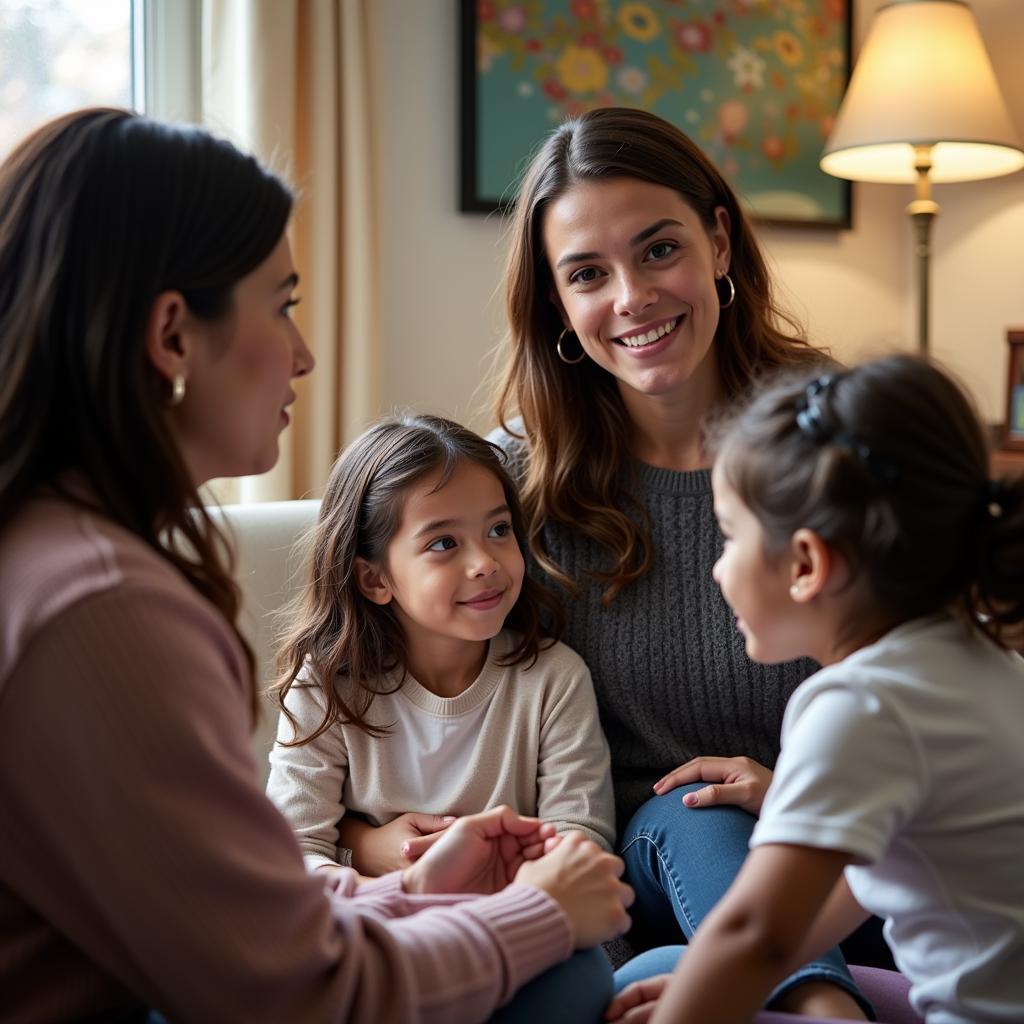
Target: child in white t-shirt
[[419, 684], [862, 530]]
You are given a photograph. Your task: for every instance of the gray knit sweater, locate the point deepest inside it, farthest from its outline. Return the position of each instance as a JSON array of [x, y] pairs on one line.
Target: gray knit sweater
[[669, 667]]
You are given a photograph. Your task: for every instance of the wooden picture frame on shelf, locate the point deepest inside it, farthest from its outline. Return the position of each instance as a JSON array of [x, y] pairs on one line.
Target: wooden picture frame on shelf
[[1013, 428]]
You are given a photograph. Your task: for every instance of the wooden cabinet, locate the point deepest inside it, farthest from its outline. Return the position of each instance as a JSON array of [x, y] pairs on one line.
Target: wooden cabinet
[[1007, 463]]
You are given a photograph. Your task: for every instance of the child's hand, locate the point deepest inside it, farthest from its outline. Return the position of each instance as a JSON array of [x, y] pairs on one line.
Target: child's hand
[[413, 849], [636, 1002], [332, 871], [379, 850], [340, 879], [740, 781]]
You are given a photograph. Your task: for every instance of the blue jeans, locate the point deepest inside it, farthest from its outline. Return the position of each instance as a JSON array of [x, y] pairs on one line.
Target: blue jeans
[[576, 991], [680, 861]]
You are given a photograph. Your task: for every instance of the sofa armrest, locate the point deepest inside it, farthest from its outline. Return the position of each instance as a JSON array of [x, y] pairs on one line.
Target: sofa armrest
[[267, 539]]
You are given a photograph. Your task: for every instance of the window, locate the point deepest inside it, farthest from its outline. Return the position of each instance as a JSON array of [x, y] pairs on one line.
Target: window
[[56, 55]]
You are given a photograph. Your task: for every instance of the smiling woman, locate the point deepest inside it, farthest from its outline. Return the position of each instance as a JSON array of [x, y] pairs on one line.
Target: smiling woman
[[639, 305], [637, 287]]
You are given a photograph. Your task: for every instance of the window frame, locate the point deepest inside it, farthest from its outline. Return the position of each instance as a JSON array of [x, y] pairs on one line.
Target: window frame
[[167, 80]]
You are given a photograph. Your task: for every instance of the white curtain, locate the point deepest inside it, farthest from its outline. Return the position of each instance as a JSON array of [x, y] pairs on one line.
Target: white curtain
[[289, 81]]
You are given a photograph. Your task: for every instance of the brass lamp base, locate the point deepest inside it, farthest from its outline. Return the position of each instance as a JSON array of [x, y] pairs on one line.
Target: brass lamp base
[[922, 211]]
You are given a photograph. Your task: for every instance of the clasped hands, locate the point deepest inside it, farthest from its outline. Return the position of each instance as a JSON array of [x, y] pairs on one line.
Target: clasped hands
[[483, 853]]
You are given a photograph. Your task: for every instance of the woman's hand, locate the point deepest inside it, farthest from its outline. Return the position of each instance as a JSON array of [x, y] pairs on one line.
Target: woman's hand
[[376, 850], [737, 780], [636, 1002], [585, 882], [482, 853], [479, 853]]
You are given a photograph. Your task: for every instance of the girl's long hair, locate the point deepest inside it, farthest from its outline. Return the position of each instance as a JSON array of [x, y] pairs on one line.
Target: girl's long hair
[[338, 636], [574, 421], [101, 211], [889, 465]]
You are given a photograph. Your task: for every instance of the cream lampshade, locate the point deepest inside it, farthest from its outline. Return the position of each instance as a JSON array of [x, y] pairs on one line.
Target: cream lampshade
[[923, 105]]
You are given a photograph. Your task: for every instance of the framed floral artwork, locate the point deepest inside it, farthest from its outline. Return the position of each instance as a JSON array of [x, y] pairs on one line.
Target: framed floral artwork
[[756, 83]]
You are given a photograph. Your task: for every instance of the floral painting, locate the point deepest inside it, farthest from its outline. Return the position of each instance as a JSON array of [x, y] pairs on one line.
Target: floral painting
[[756, 83]]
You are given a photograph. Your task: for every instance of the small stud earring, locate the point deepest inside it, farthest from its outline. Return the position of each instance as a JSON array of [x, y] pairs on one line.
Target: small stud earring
[[794, 591]]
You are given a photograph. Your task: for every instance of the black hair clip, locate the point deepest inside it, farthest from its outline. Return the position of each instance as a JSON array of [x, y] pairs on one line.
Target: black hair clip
[[809, 416], [812, 423]]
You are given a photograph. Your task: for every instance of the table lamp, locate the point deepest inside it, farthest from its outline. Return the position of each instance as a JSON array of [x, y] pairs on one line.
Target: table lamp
[[923, 105]]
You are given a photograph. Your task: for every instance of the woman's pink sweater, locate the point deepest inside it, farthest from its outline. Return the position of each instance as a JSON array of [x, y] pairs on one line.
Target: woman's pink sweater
[[140, 862]]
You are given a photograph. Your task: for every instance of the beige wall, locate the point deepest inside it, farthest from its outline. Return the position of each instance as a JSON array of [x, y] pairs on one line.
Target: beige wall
[[978, 275], [440, 269]]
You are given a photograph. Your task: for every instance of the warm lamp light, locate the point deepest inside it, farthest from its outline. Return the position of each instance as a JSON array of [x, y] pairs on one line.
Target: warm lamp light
[[923, 105]]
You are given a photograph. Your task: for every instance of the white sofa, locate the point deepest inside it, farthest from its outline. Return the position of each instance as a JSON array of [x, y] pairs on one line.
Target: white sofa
[[267, 538]]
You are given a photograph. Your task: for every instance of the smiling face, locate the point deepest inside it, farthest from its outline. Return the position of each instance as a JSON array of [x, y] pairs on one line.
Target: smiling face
[[454, 569], [754, 586], [634, 274], [239, 375]]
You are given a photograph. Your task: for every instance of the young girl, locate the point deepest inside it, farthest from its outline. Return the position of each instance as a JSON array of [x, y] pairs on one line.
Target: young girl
[[406, 701], [862, 530]]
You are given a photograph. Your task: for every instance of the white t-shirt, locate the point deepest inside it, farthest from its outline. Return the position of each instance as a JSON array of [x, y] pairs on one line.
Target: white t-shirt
[[909, 754]]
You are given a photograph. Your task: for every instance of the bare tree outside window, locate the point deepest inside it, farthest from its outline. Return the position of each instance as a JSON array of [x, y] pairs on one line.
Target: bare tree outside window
[[58, 55]]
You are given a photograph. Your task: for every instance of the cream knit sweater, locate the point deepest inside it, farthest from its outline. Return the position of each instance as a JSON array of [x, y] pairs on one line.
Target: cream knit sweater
[[524, 736]]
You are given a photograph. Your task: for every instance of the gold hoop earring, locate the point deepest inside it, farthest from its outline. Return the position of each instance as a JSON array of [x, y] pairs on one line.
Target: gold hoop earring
[[732, 291], [177, 389], [561, 354]]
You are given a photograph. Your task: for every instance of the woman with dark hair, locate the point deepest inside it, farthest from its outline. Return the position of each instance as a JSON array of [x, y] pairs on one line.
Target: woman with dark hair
[[146, 347], [639, 302]]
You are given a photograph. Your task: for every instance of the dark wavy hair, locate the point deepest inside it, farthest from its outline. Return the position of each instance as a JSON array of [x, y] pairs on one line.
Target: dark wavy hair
[[891, 469], [100, 211], [336, 631], [573, 417]]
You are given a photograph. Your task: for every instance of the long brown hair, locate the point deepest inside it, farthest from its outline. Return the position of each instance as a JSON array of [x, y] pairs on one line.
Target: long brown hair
[[888, 463], [339, 633], [100, 211], [574, 421]]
